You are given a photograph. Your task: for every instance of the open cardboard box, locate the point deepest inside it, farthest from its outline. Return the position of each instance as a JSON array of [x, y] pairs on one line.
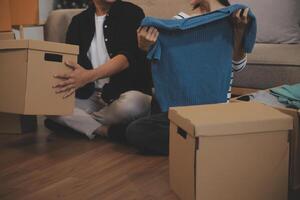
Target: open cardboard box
[[235, 151], [295, 145], [26, 77]]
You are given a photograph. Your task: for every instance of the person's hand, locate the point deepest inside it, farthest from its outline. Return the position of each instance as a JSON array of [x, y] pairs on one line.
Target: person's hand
[[240, 21], [147, 36], [69, 83]]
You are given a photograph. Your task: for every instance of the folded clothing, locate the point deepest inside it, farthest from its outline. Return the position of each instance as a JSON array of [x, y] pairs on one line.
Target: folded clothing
[[264, 97], [192, 58], [288, 95]]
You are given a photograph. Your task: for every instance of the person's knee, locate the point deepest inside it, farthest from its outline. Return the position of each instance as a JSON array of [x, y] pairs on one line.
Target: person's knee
[[135, 97], [134, 104]]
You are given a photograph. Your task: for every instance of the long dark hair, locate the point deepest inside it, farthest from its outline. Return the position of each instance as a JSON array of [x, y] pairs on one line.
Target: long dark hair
[[203, 4]]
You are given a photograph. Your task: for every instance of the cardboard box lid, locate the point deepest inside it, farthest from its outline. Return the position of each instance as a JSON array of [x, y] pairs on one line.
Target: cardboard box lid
[[40, 46], [229, 119]]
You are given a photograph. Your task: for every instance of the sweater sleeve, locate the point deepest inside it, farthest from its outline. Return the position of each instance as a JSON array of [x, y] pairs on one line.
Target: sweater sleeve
[[238, 66]]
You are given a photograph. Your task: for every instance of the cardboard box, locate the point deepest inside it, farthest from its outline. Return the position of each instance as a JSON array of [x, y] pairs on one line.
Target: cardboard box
[[229, 151], [17, 124], [5, 19], [295, 146], [7, 36], [24, 12], [26, 77]]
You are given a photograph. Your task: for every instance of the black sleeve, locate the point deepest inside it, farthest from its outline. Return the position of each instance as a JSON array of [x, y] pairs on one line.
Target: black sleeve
[[72, 36], [127, 40]]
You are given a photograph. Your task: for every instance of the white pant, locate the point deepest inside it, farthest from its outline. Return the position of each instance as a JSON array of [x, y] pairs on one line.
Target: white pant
[[92, 113]]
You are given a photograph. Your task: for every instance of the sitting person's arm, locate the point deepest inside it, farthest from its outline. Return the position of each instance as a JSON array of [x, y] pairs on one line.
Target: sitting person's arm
[[127, 49], [240, 22]]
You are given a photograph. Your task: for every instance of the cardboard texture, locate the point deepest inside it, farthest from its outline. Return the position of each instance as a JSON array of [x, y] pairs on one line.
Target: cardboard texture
[[229, 151], [295, 148], [294, 179], [24, 12], [17, 124], [26, 77], [5, 19], [7, 36]]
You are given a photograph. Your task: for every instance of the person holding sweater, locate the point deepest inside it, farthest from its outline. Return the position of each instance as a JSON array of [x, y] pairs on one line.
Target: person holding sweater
[[151, 134], [111, 81]]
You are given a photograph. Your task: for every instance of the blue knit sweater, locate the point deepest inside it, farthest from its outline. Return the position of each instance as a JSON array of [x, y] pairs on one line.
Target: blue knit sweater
[[192, 58]]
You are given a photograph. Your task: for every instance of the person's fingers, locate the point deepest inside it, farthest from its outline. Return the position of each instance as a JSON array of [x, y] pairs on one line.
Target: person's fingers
[[62, 76], [139, 29], [246, 12], [245, 15], [70, 64], [64, 89], [64, 83], [149, 33], [154, 35], [151, 30], [143, 32], [69, 93]]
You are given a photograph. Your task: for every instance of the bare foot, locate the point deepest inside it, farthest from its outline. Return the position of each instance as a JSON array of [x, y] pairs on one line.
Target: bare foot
[[102, 131]]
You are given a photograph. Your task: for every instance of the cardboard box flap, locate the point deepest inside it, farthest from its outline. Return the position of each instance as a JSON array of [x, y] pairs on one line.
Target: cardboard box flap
[[40, 46], [229, 119]]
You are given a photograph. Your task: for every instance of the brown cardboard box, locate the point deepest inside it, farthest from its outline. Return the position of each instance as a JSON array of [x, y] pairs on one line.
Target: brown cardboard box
[[7, 35], [295, 146], [26, 77], [235, 151], [5, 19], [17, 124], [24, 12]]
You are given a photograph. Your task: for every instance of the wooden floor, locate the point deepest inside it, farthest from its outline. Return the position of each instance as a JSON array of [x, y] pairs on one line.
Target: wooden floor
[[55, 166], [46, 166]]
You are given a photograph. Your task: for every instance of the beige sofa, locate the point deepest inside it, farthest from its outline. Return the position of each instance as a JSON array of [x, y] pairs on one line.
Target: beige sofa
[[269, 65]]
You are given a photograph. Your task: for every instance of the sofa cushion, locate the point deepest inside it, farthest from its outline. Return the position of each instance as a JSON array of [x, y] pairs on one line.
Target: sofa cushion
[[278, 21], [276, 54], [270, 65], [57, 24]]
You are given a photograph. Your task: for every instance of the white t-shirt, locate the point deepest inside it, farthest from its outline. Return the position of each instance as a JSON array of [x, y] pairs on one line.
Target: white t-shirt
[[97, 53]]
